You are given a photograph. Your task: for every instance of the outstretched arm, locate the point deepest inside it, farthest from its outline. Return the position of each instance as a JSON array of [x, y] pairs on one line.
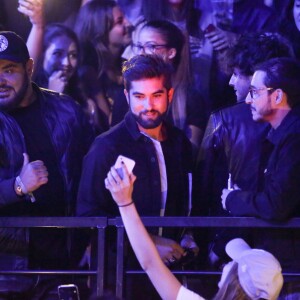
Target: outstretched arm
[[164, 281]]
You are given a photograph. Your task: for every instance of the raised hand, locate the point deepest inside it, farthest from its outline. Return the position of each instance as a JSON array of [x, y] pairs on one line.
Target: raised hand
[[34, 10], [121, 189], [57, 81]]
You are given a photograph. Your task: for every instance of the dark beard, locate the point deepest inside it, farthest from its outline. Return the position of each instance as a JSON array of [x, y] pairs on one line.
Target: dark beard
[[150, 123], [14, 102]]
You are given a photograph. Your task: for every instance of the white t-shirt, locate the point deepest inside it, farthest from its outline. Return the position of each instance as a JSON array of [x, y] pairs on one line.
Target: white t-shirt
[[185, 294]]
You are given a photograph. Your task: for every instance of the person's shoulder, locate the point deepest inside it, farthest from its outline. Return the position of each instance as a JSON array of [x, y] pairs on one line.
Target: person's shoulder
[[110, 141], [5, 116], [173, 131], [114, 135], [177, 136], [7, 123], [58, 101], [53, 95], [294, 118], [234, 110], [184, 293], [241, 105]]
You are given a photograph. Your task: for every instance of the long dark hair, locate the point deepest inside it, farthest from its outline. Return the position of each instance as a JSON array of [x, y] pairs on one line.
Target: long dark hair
[[93, 24], [288, 28], [53, 31], [174, 38]]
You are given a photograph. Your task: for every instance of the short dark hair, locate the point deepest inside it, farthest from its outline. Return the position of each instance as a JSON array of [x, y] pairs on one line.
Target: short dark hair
[[146, 66], [283, 73], [254, 48]]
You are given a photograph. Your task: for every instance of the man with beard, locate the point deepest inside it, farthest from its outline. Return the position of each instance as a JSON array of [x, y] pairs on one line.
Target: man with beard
[[43, 138], [274, 97], [162, 154]]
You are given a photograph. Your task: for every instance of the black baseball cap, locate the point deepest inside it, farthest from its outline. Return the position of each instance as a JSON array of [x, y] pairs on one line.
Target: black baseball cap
[[12, 47]]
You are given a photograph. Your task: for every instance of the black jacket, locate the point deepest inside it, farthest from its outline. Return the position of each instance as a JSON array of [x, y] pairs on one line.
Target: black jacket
[[70, 134], [231, 144], [125, 138], [278, 197]]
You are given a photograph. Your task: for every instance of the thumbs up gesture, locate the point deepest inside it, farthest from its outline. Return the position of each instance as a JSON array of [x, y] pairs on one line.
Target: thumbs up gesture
[[33, 174]]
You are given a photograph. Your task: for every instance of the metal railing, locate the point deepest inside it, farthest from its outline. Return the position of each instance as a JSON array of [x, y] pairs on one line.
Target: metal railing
[[186, 222], [99, 223]]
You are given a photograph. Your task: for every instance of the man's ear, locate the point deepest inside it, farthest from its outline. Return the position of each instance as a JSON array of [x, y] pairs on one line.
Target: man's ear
[[170, 94], [279, 96], [126, 95], [171, 53], [29, 67]]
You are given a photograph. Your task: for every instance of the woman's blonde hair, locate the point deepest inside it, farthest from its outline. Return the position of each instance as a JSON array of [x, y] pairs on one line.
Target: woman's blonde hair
[[231, 288]]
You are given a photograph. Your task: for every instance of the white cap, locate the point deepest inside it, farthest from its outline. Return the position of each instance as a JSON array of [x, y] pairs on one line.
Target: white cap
[[258, 270]]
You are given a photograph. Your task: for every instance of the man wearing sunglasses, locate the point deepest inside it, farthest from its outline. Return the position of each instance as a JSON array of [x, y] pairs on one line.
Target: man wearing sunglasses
[[231, 143], [274, 97]]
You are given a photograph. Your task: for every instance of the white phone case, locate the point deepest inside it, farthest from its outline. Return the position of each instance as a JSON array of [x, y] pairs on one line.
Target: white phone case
[[129, 163]]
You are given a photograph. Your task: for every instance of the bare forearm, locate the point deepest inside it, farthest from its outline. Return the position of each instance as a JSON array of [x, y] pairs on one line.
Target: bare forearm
[[164, 281], [35, 41]]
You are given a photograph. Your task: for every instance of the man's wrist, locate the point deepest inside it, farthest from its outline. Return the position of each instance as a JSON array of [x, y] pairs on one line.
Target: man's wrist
[[18, 187]]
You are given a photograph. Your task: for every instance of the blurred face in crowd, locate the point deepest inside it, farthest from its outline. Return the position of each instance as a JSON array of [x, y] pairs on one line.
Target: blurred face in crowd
[[151, 41], [296, 12], [261, 103], [61, 55], [240, 83], [120, 34], [149, 100], [14, 83]]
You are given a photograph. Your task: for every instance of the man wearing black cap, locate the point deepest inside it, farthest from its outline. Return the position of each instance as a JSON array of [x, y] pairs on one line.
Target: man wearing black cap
[[43, 137]]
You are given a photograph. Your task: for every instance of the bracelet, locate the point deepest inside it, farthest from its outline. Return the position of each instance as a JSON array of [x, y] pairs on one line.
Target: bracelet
[[124, 205], [20, 185], [22, 189]]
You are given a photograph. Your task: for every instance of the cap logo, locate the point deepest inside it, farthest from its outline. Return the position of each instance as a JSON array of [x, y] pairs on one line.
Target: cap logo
[[3, 43]]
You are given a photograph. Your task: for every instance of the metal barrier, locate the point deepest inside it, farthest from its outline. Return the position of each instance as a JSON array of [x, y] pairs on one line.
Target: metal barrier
[[208, 222], [100, 223]]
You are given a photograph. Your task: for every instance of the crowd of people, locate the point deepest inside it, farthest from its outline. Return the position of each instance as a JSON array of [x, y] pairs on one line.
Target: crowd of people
[[197, 93]]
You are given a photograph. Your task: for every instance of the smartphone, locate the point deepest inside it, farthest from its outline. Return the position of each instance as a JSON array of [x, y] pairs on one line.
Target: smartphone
[[229, 183], [129, 163], [68, 292], [210, 28]]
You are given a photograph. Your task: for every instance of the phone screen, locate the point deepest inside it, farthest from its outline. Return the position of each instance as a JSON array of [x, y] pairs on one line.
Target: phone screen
[[68, 292]]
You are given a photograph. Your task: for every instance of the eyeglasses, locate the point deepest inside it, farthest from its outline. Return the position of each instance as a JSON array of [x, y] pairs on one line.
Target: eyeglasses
[[254, 91], [147, 48]]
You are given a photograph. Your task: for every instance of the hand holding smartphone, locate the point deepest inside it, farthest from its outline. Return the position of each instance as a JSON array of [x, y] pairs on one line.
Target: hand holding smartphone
[[129, 163]]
